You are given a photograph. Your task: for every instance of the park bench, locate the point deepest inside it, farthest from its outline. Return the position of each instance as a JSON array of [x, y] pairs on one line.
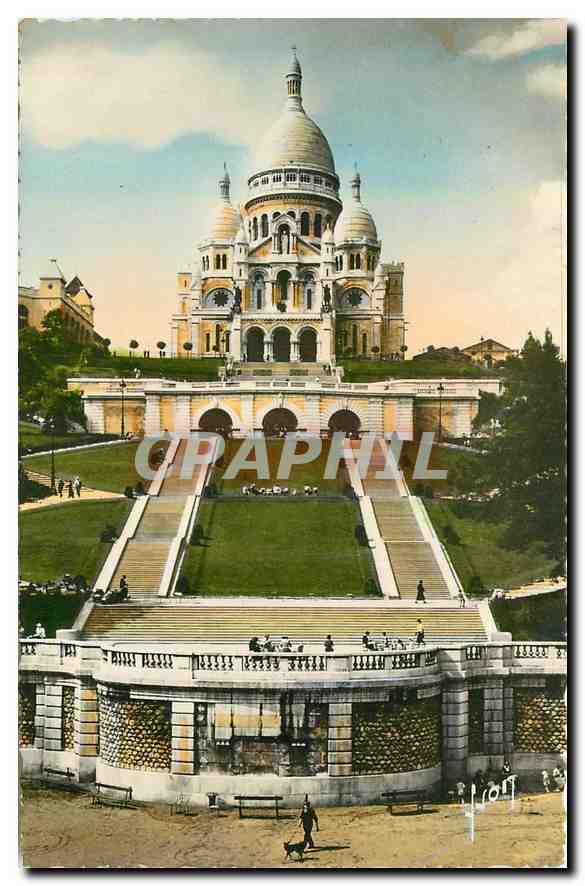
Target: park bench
[[181, 806], [111, 795], [256, 799], [406, 798], [57, 777]]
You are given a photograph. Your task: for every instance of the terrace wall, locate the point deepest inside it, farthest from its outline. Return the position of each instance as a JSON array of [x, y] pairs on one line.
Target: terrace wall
[[343, 728]]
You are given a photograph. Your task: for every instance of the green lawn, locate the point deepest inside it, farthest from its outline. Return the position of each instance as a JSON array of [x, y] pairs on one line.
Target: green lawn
[[376, 370], [66, 538], [52, 612], [310, 474], [441, 458], [542, 617], [31, 437], [110, 468], [480, 551], [180, 368], [278, 548]]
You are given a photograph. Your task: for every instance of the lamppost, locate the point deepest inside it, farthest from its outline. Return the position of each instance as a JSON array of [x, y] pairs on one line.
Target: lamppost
[[52, 429], [441, 390], [123, 387]]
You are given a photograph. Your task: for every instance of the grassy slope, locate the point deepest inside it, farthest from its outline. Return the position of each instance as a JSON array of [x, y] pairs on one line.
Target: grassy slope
[[310, 473], [480, 551], [65, 538], [533, 618], [176, 368], [278, 548], [106, 467], [31, 436], [375, 370]]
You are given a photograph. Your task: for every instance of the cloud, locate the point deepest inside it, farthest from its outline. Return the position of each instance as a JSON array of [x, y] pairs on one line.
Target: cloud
[[549, 81], [527, 37], [76, 93]]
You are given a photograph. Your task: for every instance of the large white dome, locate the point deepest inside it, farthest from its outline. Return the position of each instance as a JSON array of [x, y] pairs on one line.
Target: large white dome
[[295, 139]]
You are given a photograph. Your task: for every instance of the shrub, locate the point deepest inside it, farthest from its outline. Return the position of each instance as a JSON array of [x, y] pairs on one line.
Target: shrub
[[360, 535], [371, 587], [109, 533], [419, 490], [129, 492], [183, 587], [139, 488], [429, 492], [197, 534], [474, 586], [451, 535]]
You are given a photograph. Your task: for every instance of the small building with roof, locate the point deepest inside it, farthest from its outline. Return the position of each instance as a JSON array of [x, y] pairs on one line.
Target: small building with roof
[[72, 299]]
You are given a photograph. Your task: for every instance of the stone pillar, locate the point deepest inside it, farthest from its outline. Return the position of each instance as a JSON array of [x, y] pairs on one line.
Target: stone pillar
[[53, 724], [94, 411], [339, 740], [183, 413], [236, 338], [325, 344], [312, 414], [86, 730], [376, 333], [455, 731], [493, 717], [376, 415], [183, 751], [267, 350], [405, 417], [294, 351], [196, 337], [247, 405], [39, 715], [152, 415], [508, 711]]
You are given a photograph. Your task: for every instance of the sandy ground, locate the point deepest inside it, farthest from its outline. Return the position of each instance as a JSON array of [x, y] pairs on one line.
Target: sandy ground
[[62, 830]]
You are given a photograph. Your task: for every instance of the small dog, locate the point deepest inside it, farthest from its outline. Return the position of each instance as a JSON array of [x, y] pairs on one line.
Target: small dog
[[289, 848]]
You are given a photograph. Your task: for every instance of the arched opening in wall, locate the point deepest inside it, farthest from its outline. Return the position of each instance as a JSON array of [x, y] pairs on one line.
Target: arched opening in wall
[[255, 228], [308, 346], [358, 262], [317, 225], [278, 421], [282, 282], [354, 338], [217, 263], [22, 316], [264, 226], [255, 345], [216, 421], [305, 224], [284, 240], [345, 420], [364, 343], [259, 288], [224, 262], [281, 345]]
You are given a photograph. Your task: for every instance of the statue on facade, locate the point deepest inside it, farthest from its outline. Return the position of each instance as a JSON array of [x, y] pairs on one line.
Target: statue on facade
[[326, 300], [238, 301]]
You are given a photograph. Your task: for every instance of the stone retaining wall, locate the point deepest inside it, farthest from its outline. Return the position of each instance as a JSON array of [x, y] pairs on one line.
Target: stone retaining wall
[[68, 718], [540, 720], [389, 737], [135, 734], [26, 715]]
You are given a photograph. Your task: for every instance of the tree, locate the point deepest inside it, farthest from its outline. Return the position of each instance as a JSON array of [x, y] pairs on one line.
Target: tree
[[106, 343], [490, 406], [161, 345], [133, 345], [188, 346], [62, 407], [375, 350], [525, 462]]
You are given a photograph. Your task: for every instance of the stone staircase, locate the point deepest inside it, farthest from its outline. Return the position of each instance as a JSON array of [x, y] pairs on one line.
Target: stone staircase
[[299, 370], [142, 563], [412, 561], [396, 520], [236, 624]]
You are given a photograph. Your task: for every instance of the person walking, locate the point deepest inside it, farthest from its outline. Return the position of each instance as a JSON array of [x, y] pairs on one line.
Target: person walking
[[420, 633], [70, 492], [308, 818], [60, 487], [329, 644], [77, 485], [420, 592], [461, 599], [546, 781]]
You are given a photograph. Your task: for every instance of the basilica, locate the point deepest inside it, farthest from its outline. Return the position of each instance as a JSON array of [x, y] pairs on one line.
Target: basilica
[[293, 274]]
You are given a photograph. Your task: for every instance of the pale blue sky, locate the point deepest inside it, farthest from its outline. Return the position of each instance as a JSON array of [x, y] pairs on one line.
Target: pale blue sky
[[457, 128]]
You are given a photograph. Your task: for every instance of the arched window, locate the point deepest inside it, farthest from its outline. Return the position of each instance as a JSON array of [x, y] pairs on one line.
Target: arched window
[[217, 262], [328, 221], [364, 343], [217, 332], [341, 263], [292, 214], [265, 226], [354, 338], [255, 229], [351, 262], [275, 215], [259, 289], [358, 262], [305, 224], [309, 300], [224, 261], [207, 342], [22, 316], [317, 225]]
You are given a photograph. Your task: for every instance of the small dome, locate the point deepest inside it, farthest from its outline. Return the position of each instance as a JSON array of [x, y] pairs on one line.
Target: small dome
[[355, 222], [225, 220]]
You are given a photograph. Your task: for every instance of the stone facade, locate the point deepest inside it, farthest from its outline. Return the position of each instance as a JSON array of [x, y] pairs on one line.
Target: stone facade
[[396, 736], [540, 720], [135, 734], [26, 715], [68, 718]]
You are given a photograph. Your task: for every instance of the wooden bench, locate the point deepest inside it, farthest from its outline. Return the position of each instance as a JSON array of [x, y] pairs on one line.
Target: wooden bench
[[122, 796], [54, 777], [406, 798], [256, 799], [181, 806]]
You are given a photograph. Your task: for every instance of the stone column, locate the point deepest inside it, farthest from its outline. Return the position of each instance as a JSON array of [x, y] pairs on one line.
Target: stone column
[[455, 731], [508, 710], [493, 717], [53, 723], [312, 413], [325, 344], [236, 338], [39, 715], [339, 739], [183, 751], [376, 333], [405, 417], [152, 415], [86, 730], [195, 336], [294, 351], [183, 413], [247, 404], [94, 411], [376, 415]]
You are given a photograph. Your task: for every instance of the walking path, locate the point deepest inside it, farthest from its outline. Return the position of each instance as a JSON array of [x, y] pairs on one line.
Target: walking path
[[87, 494]]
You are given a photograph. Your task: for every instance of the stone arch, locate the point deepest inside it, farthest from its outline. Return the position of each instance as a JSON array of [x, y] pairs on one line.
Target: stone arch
[[279, 403], [281, 344], [254, 344], [277, 419], [307, 341], [345, 420], [339, 404], [216, 420], [216, 404], [283, 282]]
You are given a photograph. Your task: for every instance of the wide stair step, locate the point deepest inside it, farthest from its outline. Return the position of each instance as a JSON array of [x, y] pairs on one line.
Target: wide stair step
[[143, 565], [413, 561], [237, 624], [396, 520]]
